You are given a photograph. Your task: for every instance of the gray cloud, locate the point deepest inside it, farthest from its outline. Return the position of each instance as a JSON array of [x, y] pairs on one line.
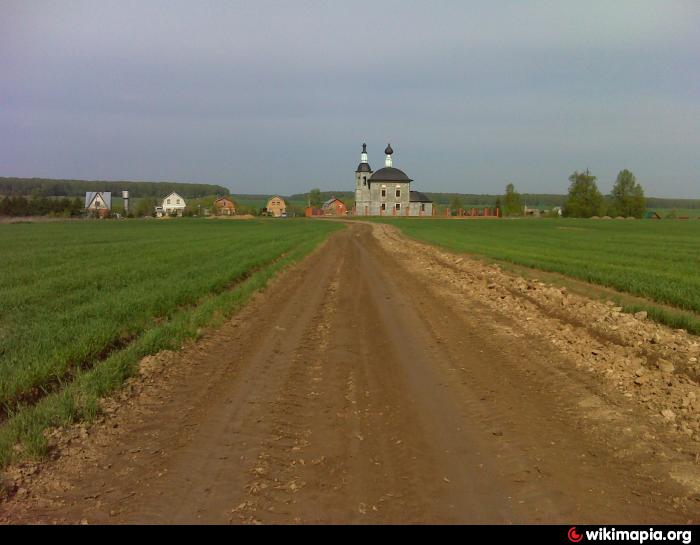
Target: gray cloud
[[277, 96]]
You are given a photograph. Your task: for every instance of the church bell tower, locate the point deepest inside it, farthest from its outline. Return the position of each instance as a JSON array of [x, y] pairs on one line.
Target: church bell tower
[[362, 176]]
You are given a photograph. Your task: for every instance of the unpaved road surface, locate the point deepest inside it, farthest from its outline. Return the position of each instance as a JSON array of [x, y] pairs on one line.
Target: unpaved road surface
[[377, 382]]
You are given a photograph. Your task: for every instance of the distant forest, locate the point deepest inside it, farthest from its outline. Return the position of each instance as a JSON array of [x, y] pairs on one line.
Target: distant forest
[[548, 200], [43, 187]]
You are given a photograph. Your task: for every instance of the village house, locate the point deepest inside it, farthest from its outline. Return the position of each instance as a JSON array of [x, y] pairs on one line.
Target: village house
[[98, 203], [387, 192], [173, 205], [224, 206], [334, 207], [276, 207]]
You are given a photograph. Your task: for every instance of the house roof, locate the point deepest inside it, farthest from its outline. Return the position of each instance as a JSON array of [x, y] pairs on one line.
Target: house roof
[[389, 174], [417, 196], [331, 201], [224, 198], [106, 197], [176, 195]]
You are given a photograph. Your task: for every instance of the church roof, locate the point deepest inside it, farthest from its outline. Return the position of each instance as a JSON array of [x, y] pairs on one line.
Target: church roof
[[390, 174], [363, 167], [417, 196]]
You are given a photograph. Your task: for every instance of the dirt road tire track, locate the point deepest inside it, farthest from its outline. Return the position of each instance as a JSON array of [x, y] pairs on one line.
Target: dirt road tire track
[[355, 391]]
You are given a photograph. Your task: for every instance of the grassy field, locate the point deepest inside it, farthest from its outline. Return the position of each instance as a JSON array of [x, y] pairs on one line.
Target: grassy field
[[687, 212], [656, 260], [82, 302]]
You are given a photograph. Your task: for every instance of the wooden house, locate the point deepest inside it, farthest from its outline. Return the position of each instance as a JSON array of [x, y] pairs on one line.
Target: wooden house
[[276, 207], [224, 206], [334, 207], [173, 205]]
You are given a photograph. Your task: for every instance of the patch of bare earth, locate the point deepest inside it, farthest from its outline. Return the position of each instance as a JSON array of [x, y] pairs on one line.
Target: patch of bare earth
[[652, 365], [383, 380]]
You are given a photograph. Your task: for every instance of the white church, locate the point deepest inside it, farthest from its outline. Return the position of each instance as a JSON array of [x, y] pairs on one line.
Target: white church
[[387, 192]]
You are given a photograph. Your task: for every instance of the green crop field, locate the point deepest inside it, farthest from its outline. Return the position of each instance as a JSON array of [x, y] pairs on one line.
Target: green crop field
[[679, 212], [82, 302], [656, 260]]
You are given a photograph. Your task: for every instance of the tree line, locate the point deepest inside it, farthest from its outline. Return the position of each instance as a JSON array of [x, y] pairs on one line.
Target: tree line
[[585, 200], [42, 206], [456, 201], [44, 187]]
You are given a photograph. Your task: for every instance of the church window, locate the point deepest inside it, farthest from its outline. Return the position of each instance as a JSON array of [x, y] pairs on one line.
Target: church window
[[364, 180], [383, 206], [422, 207], [398, 206], [383, 192], [398, 193]]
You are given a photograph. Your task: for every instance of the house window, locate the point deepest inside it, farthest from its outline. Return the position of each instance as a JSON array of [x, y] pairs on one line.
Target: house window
[[398, 205], [178, 201], [383, 192], [383, 206], [398, 193], [168, 201]]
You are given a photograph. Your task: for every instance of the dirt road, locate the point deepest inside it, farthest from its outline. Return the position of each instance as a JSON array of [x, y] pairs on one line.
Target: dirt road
[[359, 390]]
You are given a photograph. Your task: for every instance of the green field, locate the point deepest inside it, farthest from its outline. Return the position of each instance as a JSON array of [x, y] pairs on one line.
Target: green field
[[656, 260], [82, 302], [680, 212]]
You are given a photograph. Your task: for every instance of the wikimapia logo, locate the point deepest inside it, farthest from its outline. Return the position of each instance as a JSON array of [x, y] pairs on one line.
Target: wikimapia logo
[[635, 536], [574, 536]]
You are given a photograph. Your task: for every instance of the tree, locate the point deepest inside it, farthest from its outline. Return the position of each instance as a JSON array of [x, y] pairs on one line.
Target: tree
[[512, 203], [76, 207], [315, 198], [145, 207], [584, 199], [456, 204], [628, 196]]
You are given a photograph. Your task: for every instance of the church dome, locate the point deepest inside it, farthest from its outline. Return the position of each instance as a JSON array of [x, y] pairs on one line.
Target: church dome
[[390, 174], [388, 150]]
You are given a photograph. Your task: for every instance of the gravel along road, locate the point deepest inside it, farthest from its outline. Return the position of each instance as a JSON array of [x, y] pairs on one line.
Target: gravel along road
[[382, 380]]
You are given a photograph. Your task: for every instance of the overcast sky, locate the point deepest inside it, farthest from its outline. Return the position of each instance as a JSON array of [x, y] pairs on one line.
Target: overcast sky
[[277, 97]]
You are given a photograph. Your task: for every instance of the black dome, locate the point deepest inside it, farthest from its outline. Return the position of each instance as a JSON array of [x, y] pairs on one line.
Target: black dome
[[390, 174], [388, 150]]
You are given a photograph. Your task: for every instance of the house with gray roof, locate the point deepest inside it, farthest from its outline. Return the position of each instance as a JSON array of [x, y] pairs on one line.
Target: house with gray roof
[[98, 203]]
